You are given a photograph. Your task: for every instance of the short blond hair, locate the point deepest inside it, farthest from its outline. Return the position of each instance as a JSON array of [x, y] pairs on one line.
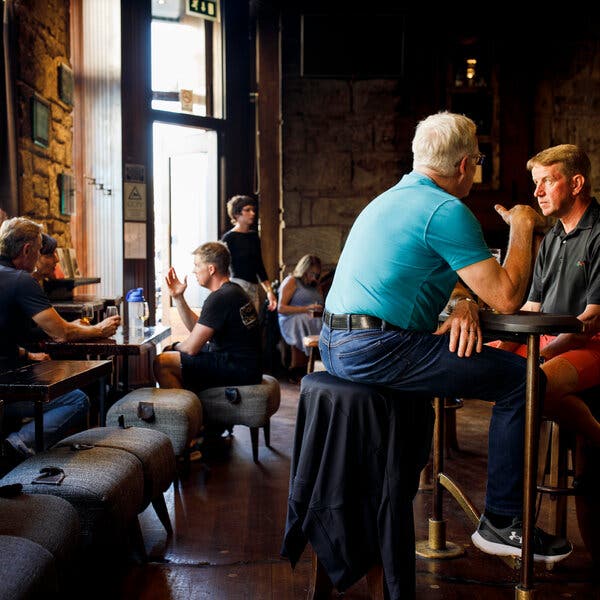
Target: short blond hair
[[215, 253], [571, 158]]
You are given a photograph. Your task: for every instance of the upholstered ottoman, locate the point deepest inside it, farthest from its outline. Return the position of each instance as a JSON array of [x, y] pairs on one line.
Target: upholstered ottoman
[[178, 413], [45, 521], [152, 448], [26, 569], [251, 405], [105, 485]]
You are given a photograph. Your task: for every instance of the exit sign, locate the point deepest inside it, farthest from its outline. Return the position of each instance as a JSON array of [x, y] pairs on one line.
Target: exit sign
[[207, 9]]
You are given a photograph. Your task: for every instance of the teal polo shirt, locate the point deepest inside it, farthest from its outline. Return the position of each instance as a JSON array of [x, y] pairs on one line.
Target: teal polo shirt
[[400, 260]]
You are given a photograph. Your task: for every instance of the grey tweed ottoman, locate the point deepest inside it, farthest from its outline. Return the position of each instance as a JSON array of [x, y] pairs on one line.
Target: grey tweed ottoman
[[152, 448], [253, 406], [105, 485], [26, 570], [178, 413], [49, 525]]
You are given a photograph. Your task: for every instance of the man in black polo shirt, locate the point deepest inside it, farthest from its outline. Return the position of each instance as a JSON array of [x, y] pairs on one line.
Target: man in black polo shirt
[[22, 300], [566, 280], [223, 347]]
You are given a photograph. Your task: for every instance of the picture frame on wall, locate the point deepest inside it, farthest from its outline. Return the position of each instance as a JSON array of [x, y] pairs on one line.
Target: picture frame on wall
[[40, 121], [65, 83]]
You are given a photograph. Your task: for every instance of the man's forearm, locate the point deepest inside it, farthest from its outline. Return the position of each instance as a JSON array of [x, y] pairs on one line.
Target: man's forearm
[[518, 263], [186, 314]]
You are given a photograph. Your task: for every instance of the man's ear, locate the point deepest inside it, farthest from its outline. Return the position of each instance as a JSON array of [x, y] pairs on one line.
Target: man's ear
[[577, 182]]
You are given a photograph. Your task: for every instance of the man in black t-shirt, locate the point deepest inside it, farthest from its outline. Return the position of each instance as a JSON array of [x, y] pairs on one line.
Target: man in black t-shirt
[[223, 347]]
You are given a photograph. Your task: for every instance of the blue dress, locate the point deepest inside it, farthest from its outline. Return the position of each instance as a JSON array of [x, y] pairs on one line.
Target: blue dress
[[295, 326]]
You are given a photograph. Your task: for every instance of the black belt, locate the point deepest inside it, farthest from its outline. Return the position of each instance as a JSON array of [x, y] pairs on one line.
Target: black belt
[[350, 322]]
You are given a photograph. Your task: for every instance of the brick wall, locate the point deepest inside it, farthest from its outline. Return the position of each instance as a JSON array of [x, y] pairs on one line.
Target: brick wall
[[42, 34]]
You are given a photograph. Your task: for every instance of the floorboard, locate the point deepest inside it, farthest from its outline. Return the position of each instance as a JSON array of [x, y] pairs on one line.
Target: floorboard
[[228, 518]]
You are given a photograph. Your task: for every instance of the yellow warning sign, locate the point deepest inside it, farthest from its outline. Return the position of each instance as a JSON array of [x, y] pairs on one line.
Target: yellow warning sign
[[134, 201]]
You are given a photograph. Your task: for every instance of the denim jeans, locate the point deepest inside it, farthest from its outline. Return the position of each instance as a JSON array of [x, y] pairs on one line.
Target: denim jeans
[[422, 363], [61, 416]]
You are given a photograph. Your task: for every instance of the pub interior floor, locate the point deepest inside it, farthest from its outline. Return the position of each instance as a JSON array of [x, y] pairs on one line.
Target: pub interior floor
[[229, 513]]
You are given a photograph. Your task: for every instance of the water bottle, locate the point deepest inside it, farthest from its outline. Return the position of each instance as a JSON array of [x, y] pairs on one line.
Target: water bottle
[[135, 306]]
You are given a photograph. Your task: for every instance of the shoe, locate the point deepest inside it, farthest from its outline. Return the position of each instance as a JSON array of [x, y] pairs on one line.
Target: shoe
[[507, 541], [15, 444]]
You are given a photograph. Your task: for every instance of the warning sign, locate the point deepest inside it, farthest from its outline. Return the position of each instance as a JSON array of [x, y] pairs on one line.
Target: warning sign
[[134, 205]]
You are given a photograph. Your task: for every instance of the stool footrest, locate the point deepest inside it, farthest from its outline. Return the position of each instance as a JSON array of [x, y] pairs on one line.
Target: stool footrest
[[559, 491]]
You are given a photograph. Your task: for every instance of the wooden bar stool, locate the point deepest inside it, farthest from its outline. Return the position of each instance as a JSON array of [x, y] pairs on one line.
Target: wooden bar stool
[[312, 343]]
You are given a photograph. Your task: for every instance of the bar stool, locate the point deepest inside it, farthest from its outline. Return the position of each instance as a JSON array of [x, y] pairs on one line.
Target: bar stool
[[358, 452], [559, 476], [312, 343]]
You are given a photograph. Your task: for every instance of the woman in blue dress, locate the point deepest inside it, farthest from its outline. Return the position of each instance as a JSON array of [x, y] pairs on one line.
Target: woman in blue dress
[[300, 307]]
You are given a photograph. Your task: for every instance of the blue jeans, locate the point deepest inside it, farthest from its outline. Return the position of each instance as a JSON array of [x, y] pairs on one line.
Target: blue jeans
[[421, 362], [61, 416]]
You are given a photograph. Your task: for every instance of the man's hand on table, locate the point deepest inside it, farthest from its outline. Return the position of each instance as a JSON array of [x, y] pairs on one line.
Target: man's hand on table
[[464, 327], [108, 327]]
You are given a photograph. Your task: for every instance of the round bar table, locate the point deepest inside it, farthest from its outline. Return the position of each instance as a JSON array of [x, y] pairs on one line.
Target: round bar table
[[532, 325]]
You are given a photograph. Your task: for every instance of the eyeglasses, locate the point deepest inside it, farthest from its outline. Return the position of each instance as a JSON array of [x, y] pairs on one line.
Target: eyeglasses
[[478, 159]]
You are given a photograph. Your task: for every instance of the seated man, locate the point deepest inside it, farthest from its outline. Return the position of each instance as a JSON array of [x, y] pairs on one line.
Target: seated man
[[299, 298], [398, 269], [223, 347], [22, 300], [566, 280]]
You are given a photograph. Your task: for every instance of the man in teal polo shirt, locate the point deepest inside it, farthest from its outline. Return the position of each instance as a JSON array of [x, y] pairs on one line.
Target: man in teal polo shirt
[[399, 269]]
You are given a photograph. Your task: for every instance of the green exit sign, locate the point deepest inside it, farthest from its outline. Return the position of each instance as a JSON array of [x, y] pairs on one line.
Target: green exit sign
[[208, 9]]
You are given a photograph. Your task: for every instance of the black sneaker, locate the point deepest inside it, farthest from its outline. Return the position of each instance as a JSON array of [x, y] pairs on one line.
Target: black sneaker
[[507, 541]]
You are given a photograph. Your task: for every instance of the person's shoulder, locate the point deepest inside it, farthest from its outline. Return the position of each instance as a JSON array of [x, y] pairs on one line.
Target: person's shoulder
[[228, 235]]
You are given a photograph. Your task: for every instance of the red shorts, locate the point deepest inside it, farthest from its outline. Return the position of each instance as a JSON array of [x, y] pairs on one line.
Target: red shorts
[[585, 360]]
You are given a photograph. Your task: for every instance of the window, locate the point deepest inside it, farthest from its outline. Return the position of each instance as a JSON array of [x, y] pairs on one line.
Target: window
[[186, 66]]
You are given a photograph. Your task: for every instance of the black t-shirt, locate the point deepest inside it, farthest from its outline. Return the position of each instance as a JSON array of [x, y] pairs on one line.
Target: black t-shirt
[[21, 298], [232, 315], [246, 256], [566, 276]]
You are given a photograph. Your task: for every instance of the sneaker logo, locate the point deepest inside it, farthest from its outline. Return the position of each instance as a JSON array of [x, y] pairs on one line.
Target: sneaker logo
[[515, 537]]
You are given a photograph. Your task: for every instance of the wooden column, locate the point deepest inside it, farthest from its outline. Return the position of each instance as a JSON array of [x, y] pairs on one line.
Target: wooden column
[[268, 74]]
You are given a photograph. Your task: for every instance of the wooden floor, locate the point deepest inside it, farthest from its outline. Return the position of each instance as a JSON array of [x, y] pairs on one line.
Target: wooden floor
[[229, 514]]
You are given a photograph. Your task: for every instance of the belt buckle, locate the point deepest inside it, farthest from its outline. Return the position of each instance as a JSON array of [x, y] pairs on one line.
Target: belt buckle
[[349, 321]]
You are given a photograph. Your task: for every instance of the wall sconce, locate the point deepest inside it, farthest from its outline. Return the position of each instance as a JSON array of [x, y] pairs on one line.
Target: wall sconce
[[471, 70]]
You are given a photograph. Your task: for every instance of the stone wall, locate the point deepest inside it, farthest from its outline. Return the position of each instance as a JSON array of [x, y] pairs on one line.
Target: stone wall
[[42, 34], [345, 142], [568, 102]]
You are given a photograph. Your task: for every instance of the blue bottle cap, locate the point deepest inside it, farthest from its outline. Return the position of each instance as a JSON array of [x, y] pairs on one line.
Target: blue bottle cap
[[135, 295]]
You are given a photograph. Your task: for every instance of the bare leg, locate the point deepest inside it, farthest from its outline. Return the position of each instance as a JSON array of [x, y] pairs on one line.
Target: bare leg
[[167, 370], [563, 406]]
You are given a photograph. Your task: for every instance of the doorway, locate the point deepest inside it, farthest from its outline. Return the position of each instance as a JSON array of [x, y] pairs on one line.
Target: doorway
[[185, 209]]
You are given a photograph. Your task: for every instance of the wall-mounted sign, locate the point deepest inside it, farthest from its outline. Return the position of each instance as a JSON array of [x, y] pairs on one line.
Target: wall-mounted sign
[[134, 238], [67, 194], [40, 121], [207, 9], [65, 84], [134, 201]]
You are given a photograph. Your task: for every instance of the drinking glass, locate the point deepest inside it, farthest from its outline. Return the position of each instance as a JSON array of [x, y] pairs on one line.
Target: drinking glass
[[112, 311], [144, 313], [87, 313]]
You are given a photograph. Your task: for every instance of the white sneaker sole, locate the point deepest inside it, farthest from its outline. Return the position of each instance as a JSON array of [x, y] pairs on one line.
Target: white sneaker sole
[[503, 550]]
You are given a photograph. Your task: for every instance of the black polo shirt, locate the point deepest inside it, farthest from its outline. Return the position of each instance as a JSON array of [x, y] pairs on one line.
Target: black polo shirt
[[566, 274]]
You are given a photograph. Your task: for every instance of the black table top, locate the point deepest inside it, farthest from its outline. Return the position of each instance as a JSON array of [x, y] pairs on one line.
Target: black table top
[[50, 378], [120, 344], [529, 322]]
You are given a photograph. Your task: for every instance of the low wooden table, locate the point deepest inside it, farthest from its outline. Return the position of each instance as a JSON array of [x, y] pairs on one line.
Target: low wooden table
[[43, 381], [121, 344]]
